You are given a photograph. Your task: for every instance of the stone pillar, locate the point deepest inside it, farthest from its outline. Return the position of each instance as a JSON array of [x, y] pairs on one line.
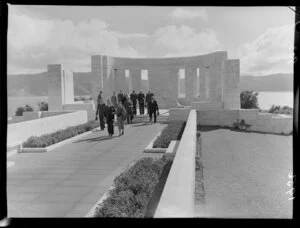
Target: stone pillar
[[109, 70], [198, 85], [120, 81], [172, 87], [97, 75], [202, 81], [231, 82], [68, 87], [135, 75], [55, 87], [189, 84], [161, 86], [194, 79]]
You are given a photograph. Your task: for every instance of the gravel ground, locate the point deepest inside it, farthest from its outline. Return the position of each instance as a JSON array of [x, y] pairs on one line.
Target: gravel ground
[[245, 175]]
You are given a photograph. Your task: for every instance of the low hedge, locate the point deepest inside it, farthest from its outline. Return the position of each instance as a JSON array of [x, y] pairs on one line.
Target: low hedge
[[173, 131], [49, 139], [133, 190]]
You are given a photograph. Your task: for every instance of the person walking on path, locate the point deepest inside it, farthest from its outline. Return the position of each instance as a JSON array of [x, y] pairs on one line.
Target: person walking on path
[[148, 100], [128, 108], [110, 116], [100, 98], [134, 97], [121, 116], [153, 108], [100, 113], [141, 99], [120, 96], [114, 100]]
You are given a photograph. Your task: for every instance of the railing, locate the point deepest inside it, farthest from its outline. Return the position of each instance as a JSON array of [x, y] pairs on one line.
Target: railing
[[177, 199]]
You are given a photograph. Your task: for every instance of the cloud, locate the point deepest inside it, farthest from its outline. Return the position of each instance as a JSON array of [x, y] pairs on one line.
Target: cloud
[[187, 14], [129, 36], [33, 43], [270, 53], [184, 40]]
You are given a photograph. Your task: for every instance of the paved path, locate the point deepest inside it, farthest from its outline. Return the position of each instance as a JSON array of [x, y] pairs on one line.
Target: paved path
[[246, 175], [69, 180]]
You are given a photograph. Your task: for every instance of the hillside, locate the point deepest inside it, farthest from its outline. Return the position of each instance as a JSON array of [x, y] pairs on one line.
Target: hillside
[[36, 84], [274, 82]]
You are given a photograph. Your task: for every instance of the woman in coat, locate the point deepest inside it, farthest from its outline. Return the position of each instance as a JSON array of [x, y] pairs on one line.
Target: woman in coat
[[110, 116], [121, 116]]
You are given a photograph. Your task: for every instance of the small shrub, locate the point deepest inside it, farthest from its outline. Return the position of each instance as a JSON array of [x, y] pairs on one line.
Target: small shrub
[[281, 110], [241, 125], [274, 108], [43, 106], [20, 110], [55, 137], [133, 190], [173, 131]]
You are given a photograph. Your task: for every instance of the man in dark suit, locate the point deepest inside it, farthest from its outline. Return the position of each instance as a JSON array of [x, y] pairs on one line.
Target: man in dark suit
[[141, 99], [101, 113], [134, 97], [148, 100], [153, 109], [120, 97]]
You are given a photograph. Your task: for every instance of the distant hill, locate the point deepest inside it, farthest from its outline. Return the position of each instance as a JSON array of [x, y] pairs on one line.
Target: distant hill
[[36, 85], [274, 82]]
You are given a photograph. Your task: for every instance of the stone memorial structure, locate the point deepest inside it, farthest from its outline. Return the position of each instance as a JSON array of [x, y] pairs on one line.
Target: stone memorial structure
[[216, 85], [211, 81]]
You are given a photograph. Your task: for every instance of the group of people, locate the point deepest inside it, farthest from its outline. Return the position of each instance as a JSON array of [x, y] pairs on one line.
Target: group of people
[[124, 106]]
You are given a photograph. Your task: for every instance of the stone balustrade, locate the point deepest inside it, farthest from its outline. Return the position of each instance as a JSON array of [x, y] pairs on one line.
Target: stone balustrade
[[177, 199]]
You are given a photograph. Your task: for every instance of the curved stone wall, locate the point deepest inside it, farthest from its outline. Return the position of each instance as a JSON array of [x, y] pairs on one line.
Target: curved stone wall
[[218, 81]]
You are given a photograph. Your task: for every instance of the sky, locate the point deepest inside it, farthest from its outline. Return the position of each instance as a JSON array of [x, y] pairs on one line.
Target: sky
[[261, 37]]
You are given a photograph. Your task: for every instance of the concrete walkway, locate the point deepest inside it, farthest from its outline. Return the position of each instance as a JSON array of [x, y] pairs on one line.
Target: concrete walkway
[[246, 175], [69, 180]]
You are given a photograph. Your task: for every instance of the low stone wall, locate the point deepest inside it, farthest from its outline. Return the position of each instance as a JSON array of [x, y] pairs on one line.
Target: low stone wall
[[89, 107], [279, 124], [177, 199], [207, 106], [261, 122], [20, 132], [53, 113], [179, 114]]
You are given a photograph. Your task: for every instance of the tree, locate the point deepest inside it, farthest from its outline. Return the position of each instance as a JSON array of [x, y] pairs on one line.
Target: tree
[[43, 106], [249, 99]]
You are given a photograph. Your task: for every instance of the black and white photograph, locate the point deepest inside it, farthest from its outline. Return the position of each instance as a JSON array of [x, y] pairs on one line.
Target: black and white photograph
[[150, 111]]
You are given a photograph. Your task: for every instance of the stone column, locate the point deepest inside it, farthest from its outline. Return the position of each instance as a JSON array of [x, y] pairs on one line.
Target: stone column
[[135, 75], [120, 81], [198, 85], [172, 87], [97, 75], [55, 87], [231, 82], [207, 84], [204, 84], [194, 78], [161, 86], [189, 84], [68, 87], [109, 70]]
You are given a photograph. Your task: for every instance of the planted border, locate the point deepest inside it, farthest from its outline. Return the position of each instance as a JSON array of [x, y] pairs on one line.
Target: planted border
[[173, 131], [58, 136], [133, 190]]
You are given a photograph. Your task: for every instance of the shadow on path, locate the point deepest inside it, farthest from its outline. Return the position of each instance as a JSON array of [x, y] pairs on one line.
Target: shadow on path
[[96, 139], [213, 128], [141, 124]]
